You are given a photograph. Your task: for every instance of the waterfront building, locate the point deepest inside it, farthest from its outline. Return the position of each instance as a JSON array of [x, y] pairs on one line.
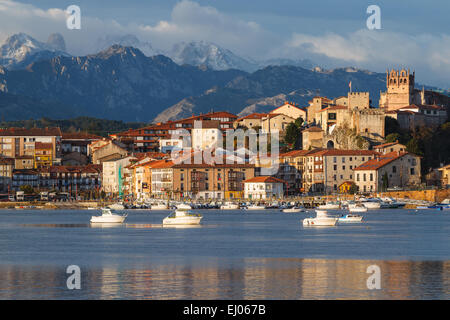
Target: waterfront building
[[6, 170], [394, 169], [16, 142], [445, 176], [113, 174], [325, 170], [264, 187], [43, 155]]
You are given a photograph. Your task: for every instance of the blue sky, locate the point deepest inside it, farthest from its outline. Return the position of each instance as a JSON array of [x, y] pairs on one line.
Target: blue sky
[[332, 33]]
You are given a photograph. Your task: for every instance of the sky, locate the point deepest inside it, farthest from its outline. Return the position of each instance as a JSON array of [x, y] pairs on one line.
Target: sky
[[332, 33]]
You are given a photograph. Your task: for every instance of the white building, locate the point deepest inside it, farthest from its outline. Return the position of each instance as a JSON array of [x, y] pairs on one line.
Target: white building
[[205, 134], [263, 187], [114, 174]]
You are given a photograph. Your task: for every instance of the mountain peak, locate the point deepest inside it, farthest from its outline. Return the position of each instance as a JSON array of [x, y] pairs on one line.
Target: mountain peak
[[117, 49], [56, 40]]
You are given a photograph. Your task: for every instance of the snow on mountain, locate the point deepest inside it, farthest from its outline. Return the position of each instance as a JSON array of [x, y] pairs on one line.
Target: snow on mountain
[[127, 40], [19, 50], [208, 54]]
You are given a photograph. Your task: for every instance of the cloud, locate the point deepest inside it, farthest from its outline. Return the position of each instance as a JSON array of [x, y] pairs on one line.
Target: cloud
[[429, 54], [189, 21]]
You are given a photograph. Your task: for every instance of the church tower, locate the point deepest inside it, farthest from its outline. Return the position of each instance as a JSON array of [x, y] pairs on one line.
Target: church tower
[[400, 89]]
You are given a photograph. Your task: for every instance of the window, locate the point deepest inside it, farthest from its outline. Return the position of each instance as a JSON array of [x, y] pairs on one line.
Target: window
[[343, 167], [332, 116], [334, 159], [343, 159], [364, 177], [371, 177], [394, 169], [182, 177], [413, 172], [335, 167], [357, 177]]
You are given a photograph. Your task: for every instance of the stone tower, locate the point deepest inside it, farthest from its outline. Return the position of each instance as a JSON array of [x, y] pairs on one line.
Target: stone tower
[[400, 89]]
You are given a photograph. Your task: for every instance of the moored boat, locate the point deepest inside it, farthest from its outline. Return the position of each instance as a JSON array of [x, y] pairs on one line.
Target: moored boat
[[255, 207], [108, 216], [322, 219], [293, 210], [350, 218], [182, 216], [229, 206], [330, 206]]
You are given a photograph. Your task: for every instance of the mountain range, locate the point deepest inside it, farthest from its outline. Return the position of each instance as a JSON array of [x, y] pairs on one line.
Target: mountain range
[[124, 83]]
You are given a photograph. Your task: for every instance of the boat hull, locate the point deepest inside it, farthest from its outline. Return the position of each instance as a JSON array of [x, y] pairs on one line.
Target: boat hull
[[350, 219], [111, 219], [372, 205], [182, 221], [320, 222]]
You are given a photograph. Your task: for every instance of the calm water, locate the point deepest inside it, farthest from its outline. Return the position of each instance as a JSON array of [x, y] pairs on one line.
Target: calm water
[[233, 255]]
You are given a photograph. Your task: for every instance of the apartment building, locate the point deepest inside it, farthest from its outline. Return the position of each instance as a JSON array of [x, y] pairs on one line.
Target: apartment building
[[16, 142], [326, 170], [394, 169], [291, 170], [113, 174], [390, 147], [6, 173]]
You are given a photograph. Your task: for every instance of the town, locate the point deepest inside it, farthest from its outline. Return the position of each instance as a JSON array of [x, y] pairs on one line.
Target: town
[[331, 147]]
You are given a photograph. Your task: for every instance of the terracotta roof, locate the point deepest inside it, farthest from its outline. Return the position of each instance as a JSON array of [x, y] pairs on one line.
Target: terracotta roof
[[291, 105], [384, 145], [294, 153], [381, 161], [253, 116], [338, 152], [265, 179], [31, 132], [79, 135]]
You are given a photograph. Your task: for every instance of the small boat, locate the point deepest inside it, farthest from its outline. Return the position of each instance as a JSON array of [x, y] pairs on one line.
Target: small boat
[[117, 206], [92, 208], [158, 206], [108, 217], [293, 210], [182, 217], [322, 219], [357, 207], [229, 206], [351, 218], [255, 207], [330, 206], [372, 204]]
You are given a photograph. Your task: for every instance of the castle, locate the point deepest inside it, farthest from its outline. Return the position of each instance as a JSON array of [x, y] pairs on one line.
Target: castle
[[401, 92]]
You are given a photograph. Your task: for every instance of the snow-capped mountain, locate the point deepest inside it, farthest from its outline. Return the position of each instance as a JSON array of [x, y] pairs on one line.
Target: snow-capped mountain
[[208, 54], [128, 40], [19, 50]]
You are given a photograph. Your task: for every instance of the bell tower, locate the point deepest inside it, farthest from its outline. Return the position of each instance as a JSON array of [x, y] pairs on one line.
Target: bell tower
[[400, 89]]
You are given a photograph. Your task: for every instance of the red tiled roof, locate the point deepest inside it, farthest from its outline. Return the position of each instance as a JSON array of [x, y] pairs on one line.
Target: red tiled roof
[[290, 104], [384, 145], [265, 179], [381, 161], [31, 132], [79, 135], [253, 116]]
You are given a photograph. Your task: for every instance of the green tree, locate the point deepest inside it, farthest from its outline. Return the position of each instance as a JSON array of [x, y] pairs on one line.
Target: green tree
[[291, 135], [27, 189], [392, 137]]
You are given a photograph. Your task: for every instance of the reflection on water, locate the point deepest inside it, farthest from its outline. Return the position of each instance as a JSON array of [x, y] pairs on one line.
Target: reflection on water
[[241, 279], [110, 225]]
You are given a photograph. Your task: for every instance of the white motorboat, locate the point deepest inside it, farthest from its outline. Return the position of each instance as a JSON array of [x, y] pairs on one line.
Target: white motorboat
[[229, 206], [255, 207], [322, 219], [158, 206], [372, 204], [330, 206], [182, 217], [351, 218], [357, 207], [108, 217], [293, 210], [117, 206]]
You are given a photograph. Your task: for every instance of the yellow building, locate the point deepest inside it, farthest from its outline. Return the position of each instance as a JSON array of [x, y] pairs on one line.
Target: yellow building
[[43, 155]]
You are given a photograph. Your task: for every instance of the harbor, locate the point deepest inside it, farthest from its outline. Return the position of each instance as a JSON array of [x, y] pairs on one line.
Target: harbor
[[232, 254]]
